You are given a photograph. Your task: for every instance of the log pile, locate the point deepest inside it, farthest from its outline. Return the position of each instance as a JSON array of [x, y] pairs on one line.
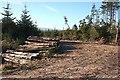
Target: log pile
[[32, 48]]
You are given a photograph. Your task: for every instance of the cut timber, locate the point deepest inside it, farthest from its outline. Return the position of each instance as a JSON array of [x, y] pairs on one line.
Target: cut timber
[[43, 51], [41, 39], [51, 43], [50, 39], [11, 60], [19, 57], [31, 48], [20, 53], [36, 43], [20, 61], [27, 56], [10, 51]]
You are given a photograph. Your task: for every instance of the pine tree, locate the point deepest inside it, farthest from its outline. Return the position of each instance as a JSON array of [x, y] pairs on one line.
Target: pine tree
[[97, 16], [93, 12], [93, 34], [7, 13], [85, 33], [89, 19], [110, 8], [26, 27], [8, 24], [75, 31], [66, 22]]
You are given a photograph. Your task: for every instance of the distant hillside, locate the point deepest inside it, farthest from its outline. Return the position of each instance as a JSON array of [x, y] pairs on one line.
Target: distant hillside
[[42, 28]]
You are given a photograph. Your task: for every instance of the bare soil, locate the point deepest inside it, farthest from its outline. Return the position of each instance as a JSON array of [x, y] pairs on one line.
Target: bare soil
[[75, 60]]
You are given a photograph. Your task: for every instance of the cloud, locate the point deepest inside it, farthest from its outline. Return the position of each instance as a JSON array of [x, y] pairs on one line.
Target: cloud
[[51, 9]]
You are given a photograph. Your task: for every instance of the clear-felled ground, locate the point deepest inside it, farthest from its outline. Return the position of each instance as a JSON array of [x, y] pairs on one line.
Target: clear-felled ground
[[76, 61]]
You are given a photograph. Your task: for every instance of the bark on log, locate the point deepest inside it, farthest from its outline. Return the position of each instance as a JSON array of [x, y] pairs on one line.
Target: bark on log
[[10, 51], [17, 57], [35, 38], [51, 43], [36, 43], [23, 53], [20, 61], [27, 48], [31, 48]]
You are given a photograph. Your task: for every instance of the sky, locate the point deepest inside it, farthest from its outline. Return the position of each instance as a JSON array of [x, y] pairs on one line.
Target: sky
[[51, 14]]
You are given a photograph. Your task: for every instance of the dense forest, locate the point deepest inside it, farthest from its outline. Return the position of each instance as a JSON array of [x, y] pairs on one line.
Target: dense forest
[[100, 24]]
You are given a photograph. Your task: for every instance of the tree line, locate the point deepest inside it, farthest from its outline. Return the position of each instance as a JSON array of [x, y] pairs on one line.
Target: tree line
[[101, 23], [15, 32]]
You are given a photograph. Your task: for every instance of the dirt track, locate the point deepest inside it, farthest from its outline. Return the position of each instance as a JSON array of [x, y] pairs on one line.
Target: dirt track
[[74, 61]]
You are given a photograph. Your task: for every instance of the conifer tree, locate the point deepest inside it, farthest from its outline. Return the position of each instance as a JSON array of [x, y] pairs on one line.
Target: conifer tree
[[93, 12], [26, 27], [8, 24], [110, 8], [93, 34], [66, 22]]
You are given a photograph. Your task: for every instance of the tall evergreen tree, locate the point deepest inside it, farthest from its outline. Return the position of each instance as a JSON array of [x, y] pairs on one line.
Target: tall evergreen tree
[[26, 27], [110, 8], [7, 13], [8, 24], [97, 16], [66, 22], [93, 12]]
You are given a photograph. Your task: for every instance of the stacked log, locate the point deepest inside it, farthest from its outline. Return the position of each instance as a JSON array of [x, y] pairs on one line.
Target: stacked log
[[35, 43], [32, 48], [19, 57], [36, 38]]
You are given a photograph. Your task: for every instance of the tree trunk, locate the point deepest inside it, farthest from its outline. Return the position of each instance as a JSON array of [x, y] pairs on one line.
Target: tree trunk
[[116, 35], [68, 26]]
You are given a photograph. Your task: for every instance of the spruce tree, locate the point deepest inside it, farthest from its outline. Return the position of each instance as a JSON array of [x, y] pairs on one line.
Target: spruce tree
[[26, 27], [8, 24]]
